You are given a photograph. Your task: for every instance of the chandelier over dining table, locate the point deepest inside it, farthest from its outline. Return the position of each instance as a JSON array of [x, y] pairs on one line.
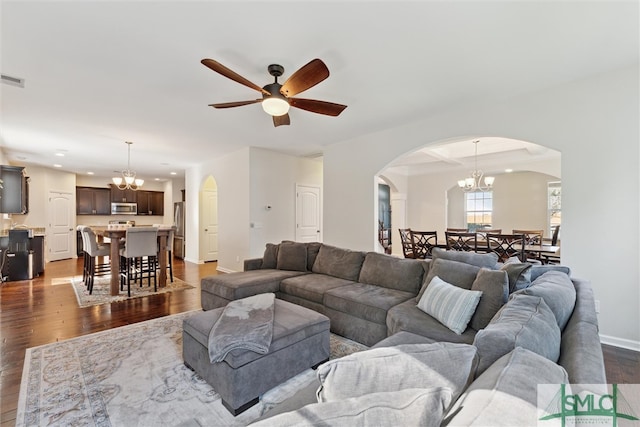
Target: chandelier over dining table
[[128, 180], [475, 181]]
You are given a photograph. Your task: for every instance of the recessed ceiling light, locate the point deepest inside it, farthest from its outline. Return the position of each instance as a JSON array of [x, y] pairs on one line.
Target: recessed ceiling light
[[508, 170], [89, 173], [60, 154], [57, 166], [174, 173], [156, 179]]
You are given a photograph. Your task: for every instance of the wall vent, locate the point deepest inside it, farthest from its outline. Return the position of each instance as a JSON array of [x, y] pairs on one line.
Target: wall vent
[[13, 81]]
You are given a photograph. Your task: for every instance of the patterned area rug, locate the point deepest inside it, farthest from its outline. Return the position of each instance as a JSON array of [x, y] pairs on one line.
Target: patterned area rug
[[101, 290], [133, 376]]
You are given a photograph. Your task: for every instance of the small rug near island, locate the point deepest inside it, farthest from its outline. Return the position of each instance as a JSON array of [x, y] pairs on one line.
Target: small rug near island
[[133, 376], [101, 290]]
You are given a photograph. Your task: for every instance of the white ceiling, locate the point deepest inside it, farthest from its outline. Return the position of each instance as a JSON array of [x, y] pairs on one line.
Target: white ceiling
[[101, 73]]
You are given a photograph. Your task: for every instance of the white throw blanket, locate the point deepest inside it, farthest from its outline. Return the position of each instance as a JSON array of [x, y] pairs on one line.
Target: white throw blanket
[[245, 324]]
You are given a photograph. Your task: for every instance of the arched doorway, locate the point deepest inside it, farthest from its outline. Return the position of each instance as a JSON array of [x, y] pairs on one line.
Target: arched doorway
[[209, 220], [526, 174]]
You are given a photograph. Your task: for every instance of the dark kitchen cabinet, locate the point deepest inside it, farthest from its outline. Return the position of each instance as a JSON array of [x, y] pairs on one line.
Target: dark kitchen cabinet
[[150, 202], [15, 190], [124, 196], [93, 201]]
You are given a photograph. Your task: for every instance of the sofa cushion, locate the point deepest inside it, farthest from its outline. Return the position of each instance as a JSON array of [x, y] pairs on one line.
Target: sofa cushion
[[312, 252], [392, 272], [311, 286], [408, 317], [451, 305], [519, 275], [488, 260], [397, 368], [538, 270], [243, 284], [558, 292], [292, 256], [525, 321], [338, 262], [270, 257], [505, 394], [454, 272], [368, 302], [411, 407], [495, 290]]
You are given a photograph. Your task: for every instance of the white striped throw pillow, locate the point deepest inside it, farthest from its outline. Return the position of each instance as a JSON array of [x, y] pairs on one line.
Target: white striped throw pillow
[[450, 305]]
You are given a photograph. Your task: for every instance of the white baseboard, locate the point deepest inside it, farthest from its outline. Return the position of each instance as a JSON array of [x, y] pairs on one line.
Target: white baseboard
[[620, 342], [224, 270]]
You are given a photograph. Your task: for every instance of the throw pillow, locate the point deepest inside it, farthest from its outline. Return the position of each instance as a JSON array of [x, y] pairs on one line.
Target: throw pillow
[[450, 305], [488, 260], [292, 256], [558, 292], [312, 253], [454, 272], [525, 321], [411, 407], [494, 285], [270, 257], [506, 395], [519, 275], [396, 368]]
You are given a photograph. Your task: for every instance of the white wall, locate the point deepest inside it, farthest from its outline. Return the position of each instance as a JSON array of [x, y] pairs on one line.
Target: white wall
[[231, 173], [519, 202], [248, 180], [273, 183], [592, 122]]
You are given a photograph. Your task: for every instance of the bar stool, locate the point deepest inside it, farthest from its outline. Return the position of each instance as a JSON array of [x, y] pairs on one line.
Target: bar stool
[[168, 247], [92, 250], [140, 243]]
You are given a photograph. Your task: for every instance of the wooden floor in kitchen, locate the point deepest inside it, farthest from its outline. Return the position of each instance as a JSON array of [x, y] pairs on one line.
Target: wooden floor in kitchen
[[35, 312]]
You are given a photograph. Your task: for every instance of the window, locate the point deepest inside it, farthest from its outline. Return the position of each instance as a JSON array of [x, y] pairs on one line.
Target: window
[[478, 208], [554, 198]]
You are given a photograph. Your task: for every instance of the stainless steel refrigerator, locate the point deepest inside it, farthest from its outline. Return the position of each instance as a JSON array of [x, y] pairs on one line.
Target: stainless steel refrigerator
[[179, 221]]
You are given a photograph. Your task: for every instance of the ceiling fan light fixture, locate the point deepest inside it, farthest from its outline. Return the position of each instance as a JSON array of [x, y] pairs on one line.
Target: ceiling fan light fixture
[[275, 106]]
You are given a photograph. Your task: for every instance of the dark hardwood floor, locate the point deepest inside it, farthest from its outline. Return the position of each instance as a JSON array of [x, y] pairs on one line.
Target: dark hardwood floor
[[35, 312]]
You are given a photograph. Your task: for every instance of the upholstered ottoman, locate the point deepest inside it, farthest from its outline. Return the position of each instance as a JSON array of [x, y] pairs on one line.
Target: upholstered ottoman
[[300, 341]]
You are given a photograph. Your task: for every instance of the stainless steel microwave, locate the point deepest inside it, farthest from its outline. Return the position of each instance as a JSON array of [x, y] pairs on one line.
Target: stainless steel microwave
[[124, 208]]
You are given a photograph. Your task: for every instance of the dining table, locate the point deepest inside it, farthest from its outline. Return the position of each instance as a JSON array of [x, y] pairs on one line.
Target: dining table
[[118, 234]]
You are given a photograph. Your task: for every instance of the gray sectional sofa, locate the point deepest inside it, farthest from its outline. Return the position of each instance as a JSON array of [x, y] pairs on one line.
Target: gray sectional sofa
[[529, 325]]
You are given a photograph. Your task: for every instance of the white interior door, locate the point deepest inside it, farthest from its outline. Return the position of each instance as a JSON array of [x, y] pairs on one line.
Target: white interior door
[[209, 237], [61, 232], [307, 213]]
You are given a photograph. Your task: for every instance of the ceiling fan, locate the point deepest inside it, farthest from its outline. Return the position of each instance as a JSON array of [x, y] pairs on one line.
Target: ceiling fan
[[277, 98]]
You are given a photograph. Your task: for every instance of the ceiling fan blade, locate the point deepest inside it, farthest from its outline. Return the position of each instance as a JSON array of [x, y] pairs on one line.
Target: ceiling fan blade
[[306, 77], [281, 120], [320, 107], [221, 69], [235, 104]]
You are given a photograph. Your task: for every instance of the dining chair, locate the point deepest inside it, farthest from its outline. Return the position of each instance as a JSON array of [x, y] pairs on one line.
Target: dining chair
[[423, 243], [461, 241], [553, 258], [482, 232], [506, 246], [93, 250], [168, 248], [407, 243], [531, 237], [457, 230], [138, 258]]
